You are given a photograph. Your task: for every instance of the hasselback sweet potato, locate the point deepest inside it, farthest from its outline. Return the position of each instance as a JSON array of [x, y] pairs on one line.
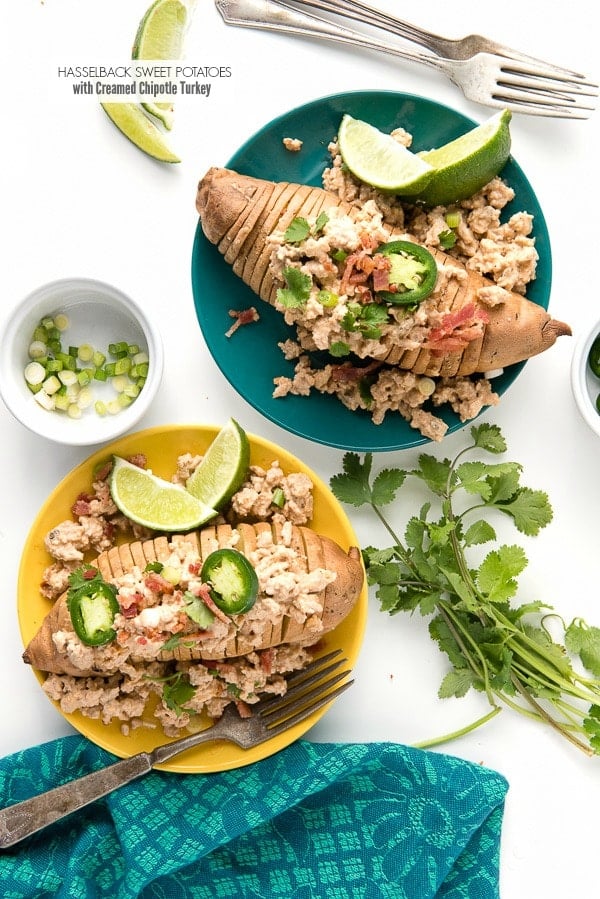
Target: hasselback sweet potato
[[240, 215], [330, 601]]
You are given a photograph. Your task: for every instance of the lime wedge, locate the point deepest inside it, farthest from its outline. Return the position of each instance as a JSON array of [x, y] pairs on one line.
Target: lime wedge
[[153, 502], [377, 159], [465, 165], [223, 468], [161, 32], [160, 35], [137, 127]]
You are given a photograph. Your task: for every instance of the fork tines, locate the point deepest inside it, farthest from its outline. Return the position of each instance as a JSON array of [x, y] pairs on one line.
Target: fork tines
[[307, 691]]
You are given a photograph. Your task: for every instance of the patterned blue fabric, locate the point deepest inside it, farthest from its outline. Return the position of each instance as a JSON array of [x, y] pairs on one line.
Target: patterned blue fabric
[[339, 821]]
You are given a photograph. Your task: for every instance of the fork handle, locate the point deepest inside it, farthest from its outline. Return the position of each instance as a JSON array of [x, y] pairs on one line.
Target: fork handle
[[25, 818], [273, 15], [361, 12]]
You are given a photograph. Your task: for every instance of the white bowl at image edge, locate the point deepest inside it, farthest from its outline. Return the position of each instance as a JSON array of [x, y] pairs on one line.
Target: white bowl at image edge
[[99, 314], [584, 384]]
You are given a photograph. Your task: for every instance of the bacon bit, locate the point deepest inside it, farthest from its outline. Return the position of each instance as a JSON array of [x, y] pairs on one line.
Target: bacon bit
[[101, 474], [242, 317], [129, 611], [244, 710], [141, 641], [195, 567], [81, 506], [204, 595], [458, 329], [349, 373], [89, 574], [266, 661], [381, 273], [158, 584]]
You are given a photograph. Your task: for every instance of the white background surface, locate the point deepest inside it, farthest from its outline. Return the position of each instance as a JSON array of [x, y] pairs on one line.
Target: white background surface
[[78, 199]]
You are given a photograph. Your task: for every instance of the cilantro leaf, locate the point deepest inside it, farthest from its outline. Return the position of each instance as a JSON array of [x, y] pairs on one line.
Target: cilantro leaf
[[353, 485], [386, 485], [529, 509], [585, 642], [297, 231], [479, 532], [176, 692], [338, 349], [497, 574], [321, 221], [297, 292], [434, 472], [489, 438], [457, 683]]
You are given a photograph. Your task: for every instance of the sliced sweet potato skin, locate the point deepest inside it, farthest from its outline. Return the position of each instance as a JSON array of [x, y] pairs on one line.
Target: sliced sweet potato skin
[[515, 330], [338, 598]]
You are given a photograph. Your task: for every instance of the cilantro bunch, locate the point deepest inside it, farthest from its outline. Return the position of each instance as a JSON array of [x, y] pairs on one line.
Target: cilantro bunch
[[494, 645]]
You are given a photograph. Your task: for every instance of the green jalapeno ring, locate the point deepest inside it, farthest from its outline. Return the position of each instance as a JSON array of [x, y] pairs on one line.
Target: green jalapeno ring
[[422, 255], [232, 580], [594, 357], [92, 605]]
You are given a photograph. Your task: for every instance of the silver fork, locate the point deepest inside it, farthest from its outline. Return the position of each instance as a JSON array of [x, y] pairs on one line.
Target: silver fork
[[307, 691], [449, 48], [496, 81]]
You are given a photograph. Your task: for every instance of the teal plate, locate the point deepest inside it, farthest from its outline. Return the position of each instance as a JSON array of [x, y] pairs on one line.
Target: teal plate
[[251, 359]]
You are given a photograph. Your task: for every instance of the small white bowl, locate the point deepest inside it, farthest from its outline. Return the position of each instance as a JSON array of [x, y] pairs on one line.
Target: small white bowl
[[584, 384], [99, 314]]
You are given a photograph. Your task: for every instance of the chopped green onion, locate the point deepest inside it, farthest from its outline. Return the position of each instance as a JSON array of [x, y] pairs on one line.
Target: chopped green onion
[[58, 383], [278, 498], [85, 352], [61, 321], [35, 373]]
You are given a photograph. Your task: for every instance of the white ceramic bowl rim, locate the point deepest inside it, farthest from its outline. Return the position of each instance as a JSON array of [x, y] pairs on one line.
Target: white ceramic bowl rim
[[584, 384], [105, 310]]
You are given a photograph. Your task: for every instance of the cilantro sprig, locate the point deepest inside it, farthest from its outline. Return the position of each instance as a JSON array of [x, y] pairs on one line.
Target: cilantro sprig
[[494, 645]]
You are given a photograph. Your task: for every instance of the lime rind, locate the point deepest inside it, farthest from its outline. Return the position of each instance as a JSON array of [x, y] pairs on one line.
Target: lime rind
[[223, 468], [379, 160], [132, 121], [164, 112], [153, 502]]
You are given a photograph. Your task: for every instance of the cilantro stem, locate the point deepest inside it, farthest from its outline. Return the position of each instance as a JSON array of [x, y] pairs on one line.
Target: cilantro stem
[[461, 732], [549, 719]]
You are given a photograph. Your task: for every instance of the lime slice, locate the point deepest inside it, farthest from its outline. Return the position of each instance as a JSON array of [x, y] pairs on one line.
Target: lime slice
[[153, 502], [465, 165], [160, 35], [377, 159], [223, 468], [135, 125]]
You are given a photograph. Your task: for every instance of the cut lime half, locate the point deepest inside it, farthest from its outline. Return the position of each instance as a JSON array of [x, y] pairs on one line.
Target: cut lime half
[[153, 502], [223, 468], [131, 120], [380, 161], [465, 165]]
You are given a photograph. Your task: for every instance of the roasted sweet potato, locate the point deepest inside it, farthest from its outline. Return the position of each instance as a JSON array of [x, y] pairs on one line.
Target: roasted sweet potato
[[239, 214], [235, 636]]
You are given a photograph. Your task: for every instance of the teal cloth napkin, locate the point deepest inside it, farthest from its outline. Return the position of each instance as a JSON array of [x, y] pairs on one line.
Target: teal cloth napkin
[[338, 821]]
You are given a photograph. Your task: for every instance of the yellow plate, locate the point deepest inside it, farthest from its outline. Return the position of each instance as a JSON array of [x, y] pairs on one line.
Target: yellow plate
[[162, 446]]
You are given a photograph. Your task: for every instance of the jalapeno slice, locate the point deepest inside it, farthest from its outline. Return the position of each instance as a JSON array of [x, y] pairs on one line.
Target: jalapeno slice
[[232, 580], [413, 272], [92, 605], [594, 357]]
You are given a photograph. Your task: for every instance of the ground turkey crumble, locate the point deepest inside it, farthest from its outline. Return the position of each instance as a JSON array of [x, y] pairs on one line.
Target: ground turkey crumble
[[122, 680], [504, 252]]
